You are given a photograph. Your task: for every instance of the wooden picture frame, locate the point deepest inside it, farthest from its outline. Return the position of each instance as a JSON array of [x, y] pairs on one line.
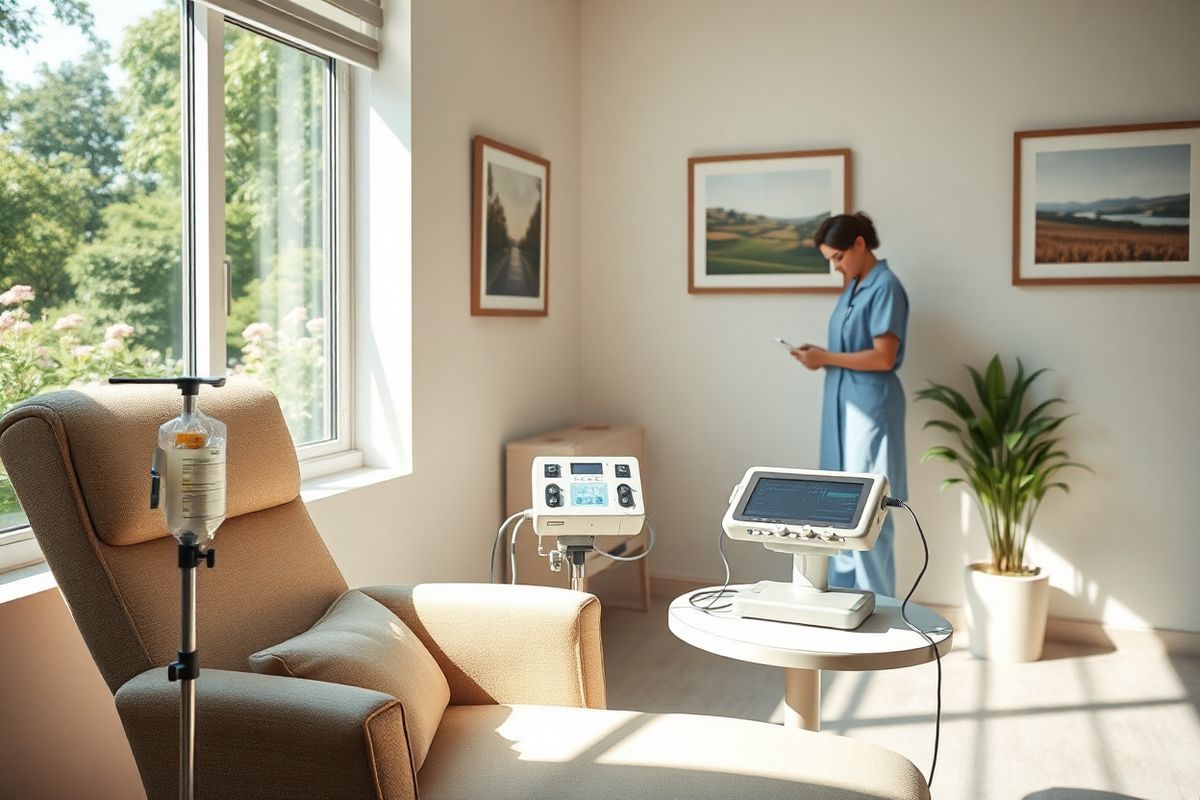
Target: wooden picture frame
[[749, 216], [1106, 205], [510, 231]]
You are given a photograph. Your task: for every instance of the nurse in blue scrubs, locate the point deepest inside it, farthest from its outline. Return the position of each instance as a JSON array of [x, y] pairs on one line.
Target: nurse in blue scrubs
[[862, 424]]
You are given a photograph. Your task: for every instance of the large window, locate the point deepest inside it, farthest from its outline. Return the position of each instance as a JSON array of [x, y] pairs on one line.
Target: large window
[[138, 239]]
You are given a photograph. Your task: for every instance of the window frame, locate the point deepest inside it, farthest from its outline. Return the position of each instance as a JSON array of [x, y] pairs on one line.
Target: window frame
[[206, 297]]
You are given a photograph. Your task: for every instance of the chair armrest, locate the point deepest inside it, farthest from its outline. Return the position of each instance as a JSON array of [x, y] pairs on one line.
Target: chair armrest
[[498, 643], [267, 737]]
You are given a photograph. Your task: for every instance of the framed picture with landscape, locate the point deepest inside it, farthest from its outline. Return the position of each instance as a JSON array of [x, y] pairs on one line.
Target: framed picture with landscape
[[1107, 205], [510, 231], [751, 220]]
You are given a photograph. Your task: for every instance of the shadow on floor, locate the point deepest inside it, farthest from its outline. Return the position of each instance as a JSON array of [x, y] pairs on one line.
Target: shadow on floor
[[1054, 650]]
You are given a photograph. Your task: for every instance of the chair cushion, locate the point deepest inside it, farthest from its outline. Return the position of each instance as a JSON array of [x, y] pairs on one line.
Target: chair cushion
[[360, 643], [533, 752]]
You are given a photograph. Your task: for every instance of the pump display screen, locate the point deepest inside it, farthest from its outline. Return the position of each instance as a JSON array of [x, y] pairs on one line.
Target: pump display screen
[[587, 469], [589, 494], [833, 503]]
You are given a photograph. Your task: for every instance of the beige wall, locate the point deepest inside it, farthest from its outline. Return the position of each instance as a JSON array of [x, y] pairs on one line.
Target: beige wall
[[58, 727], [928, 96]]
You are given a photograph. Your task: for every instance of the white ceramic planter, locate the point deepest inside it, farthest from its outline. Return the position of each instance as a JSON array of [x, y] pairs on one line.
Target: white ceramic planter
[[1006, 614]]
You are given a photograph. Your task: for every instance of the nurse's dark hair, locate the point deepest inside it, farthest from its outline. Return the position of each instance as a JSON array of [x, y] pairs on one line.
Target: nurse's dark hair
[[840, 232]]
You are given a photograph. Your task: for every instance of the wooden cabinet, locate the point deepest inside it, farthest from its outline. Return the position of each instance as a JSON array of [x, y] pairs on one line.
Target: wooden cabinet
[[579, 440]]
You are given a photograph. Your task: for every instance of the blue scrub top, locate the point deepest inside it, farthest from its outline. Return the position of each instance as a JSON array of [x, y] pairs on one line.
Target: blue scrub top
[[862, 423]]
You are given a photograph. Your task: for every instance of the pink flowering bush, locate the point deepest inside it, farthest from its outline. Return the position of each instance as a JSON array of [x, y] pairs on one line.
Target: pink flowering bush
[[291, 360], [40, 355]]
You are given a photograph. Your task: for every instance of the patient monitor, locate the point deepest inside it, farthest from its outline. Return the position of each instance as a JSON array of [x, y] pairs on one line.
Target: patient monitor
[[809, 514]]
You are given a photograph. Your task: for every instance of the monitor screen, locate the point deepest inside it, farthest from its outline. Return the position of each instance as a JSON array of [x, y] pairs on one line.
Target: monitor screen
[[589, 494], [833, 503], [587, 469]]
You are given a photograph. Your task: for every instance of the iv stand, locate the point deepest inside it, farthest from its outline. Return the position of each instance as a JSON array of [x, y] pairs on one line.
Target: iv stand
[[187, 668], [190, 554]]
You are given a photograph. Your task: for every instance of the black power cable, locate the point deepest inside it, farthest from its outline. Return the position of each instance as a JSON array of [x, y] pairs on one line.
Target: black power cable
[[713, 595], [937, 727]]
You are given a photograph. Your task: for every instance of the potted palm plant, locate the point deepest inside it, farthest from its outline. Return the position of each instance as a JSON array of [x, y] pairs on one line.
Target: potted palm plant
[[1010, 459]]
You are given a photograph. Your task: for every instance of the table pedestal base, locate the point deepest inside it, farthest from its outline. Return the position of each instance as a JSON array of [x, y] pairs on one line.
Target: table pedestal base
[[802, 699]]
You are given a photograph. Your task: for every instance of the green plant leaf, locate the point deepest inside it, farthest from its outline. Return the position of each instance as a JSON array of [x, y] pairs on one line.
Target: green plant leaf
[[981, 389], [941, 452], [948, 397], [996, 385], [985, 425], [1021, 385], [946, 426], [1039, 410]]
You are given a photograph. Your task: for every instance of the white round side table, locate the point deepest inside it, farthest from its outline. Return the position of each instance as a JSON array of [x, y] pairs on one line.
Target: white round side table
[[883, 641]]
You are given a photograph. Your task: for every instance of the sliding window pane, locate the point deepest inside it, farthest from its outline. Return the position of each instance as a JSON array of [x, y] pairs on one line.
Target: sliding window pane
[[276, 212]]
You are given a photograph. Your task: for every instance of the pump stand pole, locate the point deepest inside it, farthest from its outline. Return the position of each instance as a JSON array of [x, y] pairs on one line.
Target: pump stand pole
[[577, 556]]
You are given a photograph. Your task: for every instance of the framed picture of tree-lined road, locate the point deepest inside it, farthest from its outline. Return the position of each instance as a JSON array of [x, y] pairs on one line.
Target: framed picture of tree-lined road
[[510, 231], [1106, 205], [751, 220]]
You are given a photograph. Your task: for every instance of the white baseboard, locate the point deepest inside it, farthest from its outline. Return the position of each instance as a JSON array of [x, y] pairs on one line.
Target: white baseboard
[[1058, 629]]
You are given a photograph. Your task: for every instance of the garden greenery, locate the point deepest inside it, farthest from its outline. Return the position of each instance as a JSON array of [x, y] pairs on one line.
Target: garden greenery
[[91, 276]]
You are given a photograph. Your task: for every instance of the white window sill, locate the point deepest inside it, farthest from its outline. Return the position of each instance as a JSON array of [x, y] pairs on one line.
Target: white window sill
[[332, 464], [26, 581], [324, 486], [30, 574]]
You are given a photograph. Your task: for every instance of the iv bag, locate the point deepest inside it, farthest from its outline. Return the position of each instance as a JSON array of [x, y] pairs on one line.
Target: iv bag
[[191, 461]]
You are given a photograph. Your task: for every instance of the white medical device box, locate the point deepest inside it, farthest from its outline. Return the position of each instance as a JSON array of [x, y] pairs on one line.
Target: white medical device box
[[810, 511], [587, 496]]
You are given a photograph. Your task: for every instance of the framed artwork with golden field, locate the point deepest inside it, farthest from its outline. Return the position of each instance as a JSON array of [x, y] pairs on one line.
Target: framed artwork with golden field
[[1106, 205], [751, 220], [510, 231]]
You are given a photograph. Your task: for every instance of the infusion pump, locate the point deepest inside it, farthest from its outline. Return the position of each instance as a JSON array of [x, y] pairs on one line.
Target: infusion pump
[[587, 496]]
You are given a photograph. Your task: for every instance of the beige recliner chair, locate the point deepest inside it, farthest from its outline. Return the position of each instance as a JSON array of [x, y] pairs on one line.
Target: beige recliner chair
[[524, 664]]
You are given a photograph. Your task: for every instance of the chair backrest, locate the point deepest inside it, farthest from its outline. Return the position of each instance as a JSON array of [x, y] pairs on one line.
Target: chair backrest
[[79, 461]]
